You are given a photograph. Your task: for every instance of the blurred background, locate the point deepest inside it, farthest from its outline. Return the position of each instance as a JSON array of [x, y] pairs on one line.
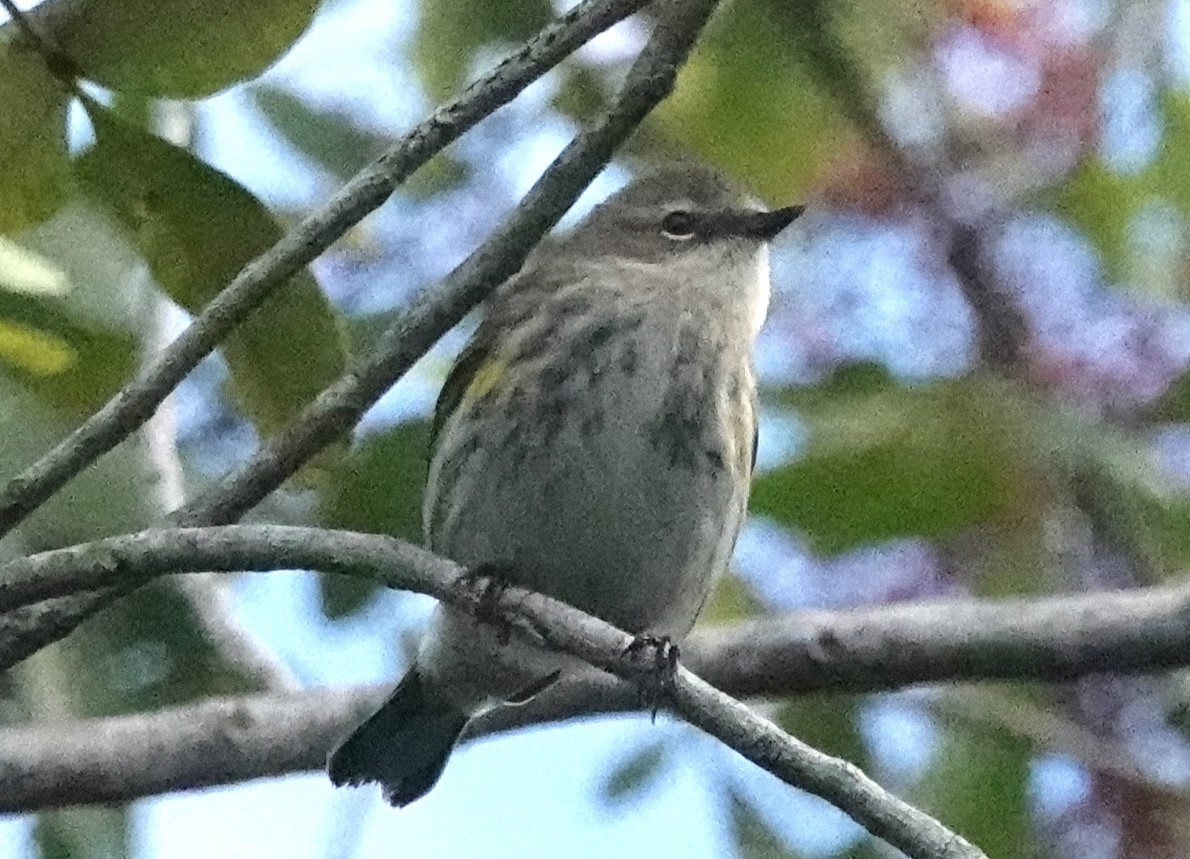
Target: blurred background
[[974, 383]]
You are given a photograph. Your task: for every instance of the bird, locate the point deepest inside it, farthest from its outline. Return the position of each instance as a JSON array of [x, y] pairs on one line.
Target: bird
[[595, 441]]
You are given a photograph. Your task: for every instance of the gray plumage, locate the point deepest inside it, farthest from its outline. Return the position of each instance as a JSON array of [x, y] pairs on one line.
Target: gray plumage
[[595, 441]]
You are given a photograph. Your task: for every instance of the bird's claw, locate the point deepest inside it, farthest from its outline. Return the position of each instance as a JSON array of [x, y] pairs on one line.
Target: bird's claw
[[658, 677], [491, 580]]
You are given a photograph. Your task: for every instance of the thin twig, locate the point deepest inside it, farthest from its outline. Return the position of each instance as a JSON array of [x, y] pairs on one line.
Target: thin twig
[[839, 782], [134, 404], [555, 624], [1001, 328]]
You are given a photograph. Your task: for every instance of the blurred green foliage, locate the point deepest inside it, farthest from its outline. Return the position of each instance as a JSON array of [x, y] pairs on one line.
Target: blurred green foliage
[[753, 836], [979, 784], [175, 208], [336, 142], [1104, 200], [332, 139], [33, 164], [376, 489], [173, 48], [829, 723], [927, 460], [451, 33], [749, 101], [636, 773], [70, 364]]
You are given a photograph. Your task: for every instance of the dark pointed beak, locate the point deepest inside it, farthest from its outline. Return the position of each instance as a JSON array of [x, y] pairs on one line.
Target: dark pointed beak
[[759, 225], [766, 225]]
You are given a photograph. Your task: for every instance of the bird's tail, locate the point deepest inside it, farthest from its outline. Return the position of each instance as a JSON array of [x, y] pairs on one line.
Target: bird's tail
[[404, 745]]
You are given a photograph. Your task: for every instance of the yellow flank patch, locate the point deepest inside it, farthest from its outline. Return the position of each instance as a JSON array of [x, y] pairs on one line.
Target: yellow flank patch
[[486, 379], [36, 352]]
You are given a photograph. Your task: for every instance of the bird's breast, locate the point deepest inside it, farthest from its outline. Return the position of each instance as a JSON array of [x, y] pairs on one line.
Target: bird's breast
[[612, 471]]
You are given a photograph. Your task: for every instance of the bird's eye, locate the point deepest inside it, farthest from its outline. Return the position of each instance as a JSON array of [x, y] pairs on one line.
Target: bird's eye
[[678, 226]]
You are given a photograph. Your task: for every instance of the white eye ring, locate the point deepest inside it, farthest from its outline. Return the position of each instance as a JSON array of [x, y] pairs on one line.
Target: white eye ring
[[678, 226]]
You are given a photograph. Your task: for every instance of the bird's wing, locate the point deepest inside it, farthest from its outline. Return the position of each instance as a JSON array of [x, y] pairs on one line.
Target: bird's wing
[[512, 304], [474, 355]]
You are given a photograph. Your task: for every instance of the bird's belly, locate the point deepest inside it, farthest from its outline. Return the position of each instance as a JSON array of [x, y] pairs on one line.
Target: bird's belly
[[601, 517]]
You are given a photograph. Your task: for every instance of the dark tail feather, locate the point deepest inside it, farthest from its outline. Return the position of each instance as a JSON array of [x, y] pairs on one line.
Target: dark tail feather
[[403, 745]]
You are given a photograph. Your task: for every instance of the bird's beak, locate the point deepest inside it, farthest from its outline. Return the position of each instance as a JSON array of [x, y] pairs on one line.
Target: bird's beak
[[766, 225]]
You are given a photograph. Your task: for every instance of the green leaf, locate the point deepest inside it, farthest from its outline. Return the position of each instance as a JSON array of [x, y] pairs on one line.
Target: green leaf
[[83, 833], [337, 143], [1103, 203], [450, 33], [754, 838], [97, 319], [331, 138], [34, 170], [376, 488], [1171, 171], [1174, 405], [70, 364], [636, 773], [196, 228], [866, 848], [926, 461], [1167, 524], [72, 334], [154, 654], [829, 723], [583, 92], [745, 102], [979, 787], [32, 351], [731, 600], [861, 378], [174, 48], [113, 496], [25, 271]]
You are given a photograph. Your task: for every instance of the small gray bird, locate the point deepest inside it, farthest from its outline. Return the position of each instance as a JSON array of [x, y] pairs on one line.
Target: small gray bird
[[595, 442]]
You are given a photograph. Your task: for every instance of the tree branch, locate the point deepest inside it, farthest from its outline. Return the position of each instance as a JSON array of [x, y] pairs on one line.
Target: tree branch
[[551, 623], [1054, 638], [1002, 331], [230, 740], [340, 406], [135, 402]]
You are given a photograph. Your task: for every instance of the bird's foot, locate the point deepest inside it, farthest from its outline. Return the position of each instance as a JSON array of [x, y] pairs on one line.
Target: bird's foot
[[490, 580], [657, 679]]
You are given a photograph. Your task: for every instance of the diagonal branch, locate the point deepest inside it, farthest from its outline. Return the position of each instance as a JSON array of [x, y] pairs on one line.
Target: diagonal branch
[[551, 623], [134, 404], [338, 407]]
